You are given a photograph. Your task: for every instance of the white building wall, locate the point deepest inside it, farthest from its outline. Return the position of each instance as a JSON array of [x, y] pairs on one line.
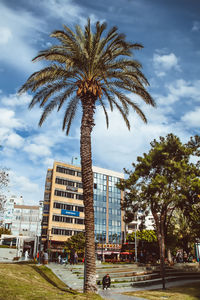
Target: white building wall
[[27, 220]]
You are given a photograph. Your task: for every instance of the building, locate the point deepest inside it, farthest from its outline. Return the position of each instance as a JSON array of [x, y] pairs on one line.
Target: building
[[26, 220], [8, 210], [63, 209]]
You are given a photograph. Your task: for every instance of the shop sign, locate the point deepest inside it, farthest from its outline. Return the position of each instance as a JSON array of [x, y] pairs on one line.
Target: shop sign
[[70, 213]]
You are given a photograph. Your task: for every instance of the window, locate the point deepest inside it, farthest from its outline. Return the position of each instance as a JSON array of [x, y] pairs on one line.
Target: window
[[46, 208], [46, 196], [62, 219], [104, 209], [104, 198], [45, 220], [79, 208], [79, 174], [95, 175], [63, 206], [79, 221], [63, 194], [61, 231], [95, 186], [110, 178], [44, 231], [65, 170], [79, 185], [110, 188], [110, 199], [79, 197], [95, 197], [104, 187]]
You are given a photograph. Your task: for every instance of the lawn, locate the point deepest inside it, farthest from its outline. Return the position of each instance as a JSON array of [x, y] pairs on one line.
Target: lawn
[[29, 281], [187, 292]]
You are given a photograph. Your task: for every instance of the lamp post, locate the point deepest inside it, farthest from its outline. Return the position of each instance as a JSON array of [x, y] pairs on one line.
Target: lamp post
[[136, 244]]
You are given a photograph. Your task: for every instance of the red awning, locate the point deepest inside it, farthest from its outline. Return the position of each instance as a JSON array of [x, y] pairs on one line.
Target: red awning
[[125, 253]]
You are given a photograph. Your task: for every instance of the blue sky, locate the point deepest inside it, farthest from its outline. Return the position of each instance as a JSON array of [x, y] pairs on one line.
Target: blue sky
[[170, 33]]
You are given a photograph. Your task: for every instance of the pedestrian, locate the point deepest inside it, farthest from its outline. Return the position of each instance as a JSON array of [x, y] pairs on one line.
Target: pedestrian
[[26, 255], [72, 257], [75, 258], [106, 282], [59, 258], [45, 258]]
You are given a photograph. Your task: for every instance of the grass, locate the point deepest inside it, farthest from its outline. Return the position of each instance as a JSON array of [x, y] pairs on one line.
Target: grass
[[187, 292], [32, 282]]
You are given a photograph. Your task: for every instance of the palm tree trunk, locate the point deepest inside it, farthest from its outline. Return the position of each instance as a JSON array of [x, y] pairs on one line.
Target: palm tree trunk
[[87, 124]]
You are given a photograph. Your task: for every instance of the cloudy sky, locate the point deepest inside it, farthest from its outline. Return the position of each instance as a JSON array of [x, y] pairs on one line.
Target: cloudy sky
[[170, 33]]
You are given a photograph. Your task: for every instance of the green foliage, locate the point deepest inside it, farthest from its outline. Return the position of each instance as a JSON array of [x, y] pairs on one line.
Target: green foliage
[[143, 235], [4, 231], [163, 181], [76, 242], [88, 65]]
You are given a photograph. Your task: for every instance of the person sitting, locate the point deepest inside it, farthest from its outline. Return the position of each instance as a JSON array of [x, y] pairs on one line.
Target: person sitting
[[106, 281]]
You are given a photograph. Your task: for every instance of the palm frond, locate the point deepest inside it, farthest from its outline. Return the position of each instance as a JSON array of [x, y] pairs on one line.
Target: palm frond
[[105, 112], [70, 113]]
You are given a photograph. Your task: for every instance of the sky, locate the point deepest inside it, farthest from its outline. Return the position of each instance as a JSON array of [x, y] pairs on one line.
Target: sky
[[170, 33]]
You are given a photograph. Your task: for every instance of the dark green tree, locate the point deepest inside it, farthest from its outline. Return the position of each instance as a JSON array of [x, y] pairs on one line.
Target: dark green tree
[[76, 242], [163, 180], [88, 69]]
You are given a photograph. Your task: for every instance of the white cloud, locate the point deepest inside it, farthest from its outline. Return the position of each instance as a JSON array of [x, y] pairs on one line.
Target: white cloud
[[196, 26], [36, 151], [119, 147], [180, 89], [5, 35], [8, 119], [68, 11], [22, 185], [16, 100], [16, 47], [14, 141], [192, 118], [164, 63]]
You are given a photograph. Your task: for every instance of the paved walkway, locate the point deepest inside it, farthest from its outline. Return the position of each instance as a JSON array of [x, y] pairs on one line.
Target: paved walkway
[[70, 279]]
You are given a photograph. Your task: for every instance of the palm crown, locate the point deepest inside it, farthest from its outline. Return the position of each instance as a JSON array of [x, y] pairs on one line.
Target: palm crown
[[90, 68]]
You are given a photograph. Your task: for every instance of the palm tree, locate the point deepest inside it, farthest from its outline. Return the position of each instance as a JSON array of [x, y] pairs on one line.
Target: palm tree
[[88, 69]]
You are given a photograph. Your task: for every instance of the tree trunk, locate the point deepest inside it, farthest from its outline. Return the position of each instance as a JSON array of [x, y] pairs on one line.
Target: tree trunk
[[87, 180], [161, 241]]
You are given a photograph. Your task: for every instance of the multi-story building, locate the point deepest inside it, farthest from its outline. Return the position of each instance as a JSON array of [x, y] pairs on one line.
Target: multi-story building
[[26, 220], [8, 210], [63, 209]]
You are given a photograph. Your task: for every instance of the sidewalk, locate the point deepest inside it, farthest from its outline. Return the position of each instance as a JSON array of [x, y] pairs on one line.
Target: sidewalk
[[71, 280]]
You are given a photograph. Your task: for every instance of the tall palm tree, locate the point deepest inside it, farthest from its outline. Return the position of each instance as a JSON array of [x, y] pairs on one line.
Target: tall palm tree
[[88, 69]]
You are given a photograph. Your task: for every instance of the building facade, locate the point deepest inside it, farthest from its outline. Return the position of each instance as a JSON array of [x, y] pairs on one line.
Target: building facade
[[63, 209], [8, 210], [26, 220]]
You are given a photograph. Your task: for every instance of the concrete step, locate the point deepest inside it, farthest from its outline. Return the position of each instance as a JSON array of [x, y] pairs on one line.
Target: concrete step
[[167, 279]]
